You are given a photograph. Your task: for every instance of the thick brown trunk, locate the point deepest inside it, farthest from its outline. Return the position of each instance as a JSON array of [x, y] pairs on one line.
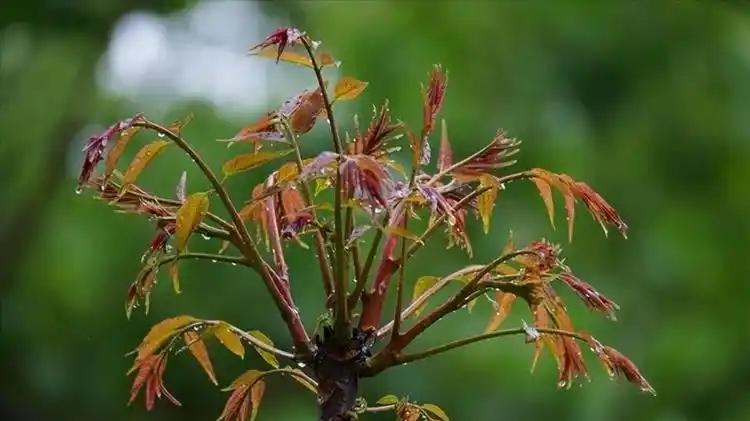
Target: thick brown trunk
[[337, 367]]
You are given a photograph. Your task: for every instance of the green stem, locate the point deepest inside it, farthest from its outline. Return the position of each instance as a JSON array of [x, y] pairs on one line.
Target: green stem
[[320, 247], [406, 358], [341, 324]]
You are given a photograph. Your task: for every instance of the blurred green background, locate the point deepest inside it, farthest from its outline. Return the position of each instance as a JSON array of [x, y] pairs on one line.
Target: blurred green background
[[646, 101]]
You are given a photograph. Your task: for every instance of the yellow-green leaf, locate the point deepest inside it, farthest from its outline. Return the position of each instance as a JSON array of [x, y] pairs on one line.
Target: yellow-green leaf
[[160, 332], [249, 161], [267, 356], [141, 160], [420, 287], [388, 400], [198, 348], [229, 339], [402, 232], [321, 184], [546, 192], [323, 59], [435, 412], [245, 379], [348, 88], [302, 379], [174, 274], [486, 200], [118, 149], [189, 216]]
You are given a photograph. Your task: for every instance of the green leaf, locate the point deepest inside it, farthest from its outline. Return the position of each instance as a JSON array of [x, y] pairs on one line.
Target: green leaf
[[435, 412], [267, 356], [388, 400], [420, 287]]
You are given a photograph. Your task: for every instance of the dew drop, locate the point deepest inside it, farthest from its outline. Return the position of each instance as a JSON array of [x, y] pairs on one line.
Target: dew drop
[[79, 190], [205, 237], [160, 134], [300, 364], [234, 264], [214, 261]]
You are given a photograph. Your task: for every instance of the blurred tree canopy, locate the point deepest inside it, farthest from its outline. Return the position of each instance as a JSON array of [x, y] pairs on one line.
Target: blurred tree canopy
[[646, 101]]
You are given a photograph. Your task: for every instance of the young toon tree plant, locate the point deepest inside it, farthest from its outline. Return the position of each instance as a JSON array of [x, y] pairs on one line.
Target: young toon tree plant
[[375, 204]]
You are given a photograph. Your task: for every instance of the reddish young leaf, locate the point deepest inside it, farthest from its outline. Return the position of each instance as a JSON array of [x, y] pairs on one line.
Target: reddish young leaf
[[593, 299], [372, 142], [433, 99], [445, 158], [94, 148], [281, 37], [493, 156]]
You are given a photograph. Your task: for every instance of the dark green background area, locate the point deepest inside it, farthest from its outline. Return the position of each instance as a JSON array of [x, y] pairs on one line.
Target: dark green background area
[[646, 101]]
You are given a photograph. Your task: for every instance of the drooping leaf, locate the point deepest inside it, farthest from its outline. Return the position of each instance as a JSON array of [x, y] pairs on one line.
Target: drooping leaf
[[302, 379], [435, 412], [256, 396], [486, 200], [348, 88], [388, 400], [323, 59], [303, 110], [189, 217], [245, 379], [445, 157], [252, 160], [96, 144], [546, 192], [268, 357], [160, 332], [402, 232], [229, 339], [420, 287], [116, 152], [198, 348], [174, 275], [504, 301], [144, 156]]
